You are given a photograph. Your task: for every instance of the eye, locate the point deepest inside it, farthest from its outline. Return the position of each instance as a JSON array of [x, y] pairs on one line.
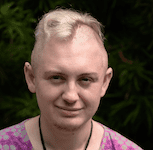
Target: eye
[[57, 79], [86, 80]]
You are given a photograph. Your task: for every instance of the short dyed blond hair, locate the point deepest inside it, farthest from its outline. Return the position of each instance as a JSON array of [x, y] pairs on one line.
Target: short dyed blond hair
[[61, 24]]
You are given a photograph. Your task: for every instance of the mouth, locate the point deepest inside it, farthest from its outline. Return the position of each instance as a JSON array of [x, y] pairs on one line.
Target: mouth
[[69, 112], [70, 109]]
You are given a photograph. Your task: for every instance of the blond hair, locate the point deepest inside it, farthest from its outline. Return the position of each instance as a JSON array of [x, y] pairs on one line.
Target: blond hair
[[61, 25]]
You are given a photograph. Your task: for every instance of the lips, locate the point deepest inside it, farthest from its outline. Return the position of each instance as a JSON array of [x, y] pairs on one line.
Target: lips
[[69, 112], [70, 109]]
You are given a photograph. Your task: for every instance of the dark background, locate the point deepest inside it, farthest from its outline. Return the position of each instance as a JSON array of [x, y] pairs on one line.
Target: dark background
[[127, 106]]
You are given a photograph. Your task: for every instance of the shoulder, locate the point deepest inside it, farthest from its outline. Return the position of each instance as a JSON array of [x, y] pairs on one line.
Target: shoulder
[[15, 137], [115, 141]]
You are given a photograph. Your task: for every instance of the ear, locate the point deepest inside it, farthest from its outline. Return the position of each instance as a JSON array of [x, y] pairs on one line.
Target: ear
[[29, 76], [107, 78]]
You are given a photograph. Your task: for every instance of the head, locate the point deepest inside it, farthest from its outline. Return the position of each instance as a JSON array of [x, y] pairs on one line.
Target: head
[[69, 68], [61, 24]]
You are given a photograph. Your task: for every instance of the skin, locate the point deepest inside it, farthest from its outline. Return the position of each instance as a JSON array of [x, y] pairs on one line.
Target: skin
[[71, 75]]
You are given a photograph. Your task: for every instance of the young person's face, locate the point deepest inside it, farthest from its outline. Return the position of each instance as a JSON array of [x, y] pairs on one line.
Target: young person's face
[[71, 78]]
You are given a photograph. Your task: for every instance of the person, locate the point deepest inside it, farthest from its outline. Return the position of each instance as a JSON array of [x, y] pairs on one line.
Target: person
[[69, 73]]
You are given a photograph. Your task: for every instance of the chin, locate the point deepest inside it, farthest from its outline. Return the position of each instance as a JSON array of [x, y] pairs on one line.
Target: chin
[[69, 124]]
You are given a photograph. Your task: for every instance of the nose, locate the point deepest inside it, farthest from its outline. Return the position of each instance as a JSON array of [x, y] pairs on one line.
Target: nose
[[70, 94]]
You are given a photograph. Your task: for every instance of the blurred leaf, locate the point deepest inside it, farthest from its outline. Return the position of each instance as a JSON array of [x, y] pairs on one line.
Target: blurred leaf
[[136, 84], [146, 77], [4, 8], [21, 107], [123, 77], [119, 106]]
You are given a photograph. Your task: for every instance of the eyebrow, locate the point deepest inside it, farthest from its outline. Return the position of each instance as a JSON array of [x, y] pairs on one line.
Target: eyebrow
[[60, 73], [90, 73]]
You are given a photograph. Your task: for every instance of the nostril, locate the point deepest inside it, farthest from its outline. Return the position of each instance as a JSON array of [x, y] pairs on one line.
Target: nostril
[[69, 103]]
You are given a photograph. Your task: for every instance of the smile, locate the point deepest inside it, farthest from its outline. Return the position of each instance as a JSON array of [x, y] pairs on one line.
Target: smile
[[69, 112], [70, 109]]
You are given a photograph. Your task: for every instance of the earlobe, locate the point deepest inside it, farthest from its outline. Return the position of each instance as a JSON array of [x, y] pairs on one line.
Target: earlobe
[[107, 79], [29, 76]]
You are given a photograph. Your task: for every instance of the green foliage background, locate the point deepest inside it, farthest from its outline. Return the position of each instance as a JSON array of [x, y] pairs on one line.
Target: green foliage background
[[128, 105]]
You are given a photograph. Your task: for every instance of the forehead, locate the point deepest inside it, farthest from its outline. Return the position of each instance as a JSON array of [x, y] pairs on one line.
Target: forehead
[[82, 52]]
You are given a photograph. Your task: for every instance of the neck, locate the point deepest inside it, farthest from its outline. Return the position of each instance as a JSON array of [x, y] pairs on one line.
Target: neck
[[63, 139]]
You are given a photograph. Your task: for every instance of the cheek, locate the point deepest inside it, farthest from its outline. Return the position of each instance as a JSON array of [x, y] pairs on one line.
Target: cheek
[[46, 93], [92, 97], [92, 104]]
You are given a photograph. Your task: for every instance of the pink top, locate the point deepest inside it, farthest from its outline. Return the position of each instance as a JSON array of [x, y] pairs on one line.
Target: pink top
[[16, 138]]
